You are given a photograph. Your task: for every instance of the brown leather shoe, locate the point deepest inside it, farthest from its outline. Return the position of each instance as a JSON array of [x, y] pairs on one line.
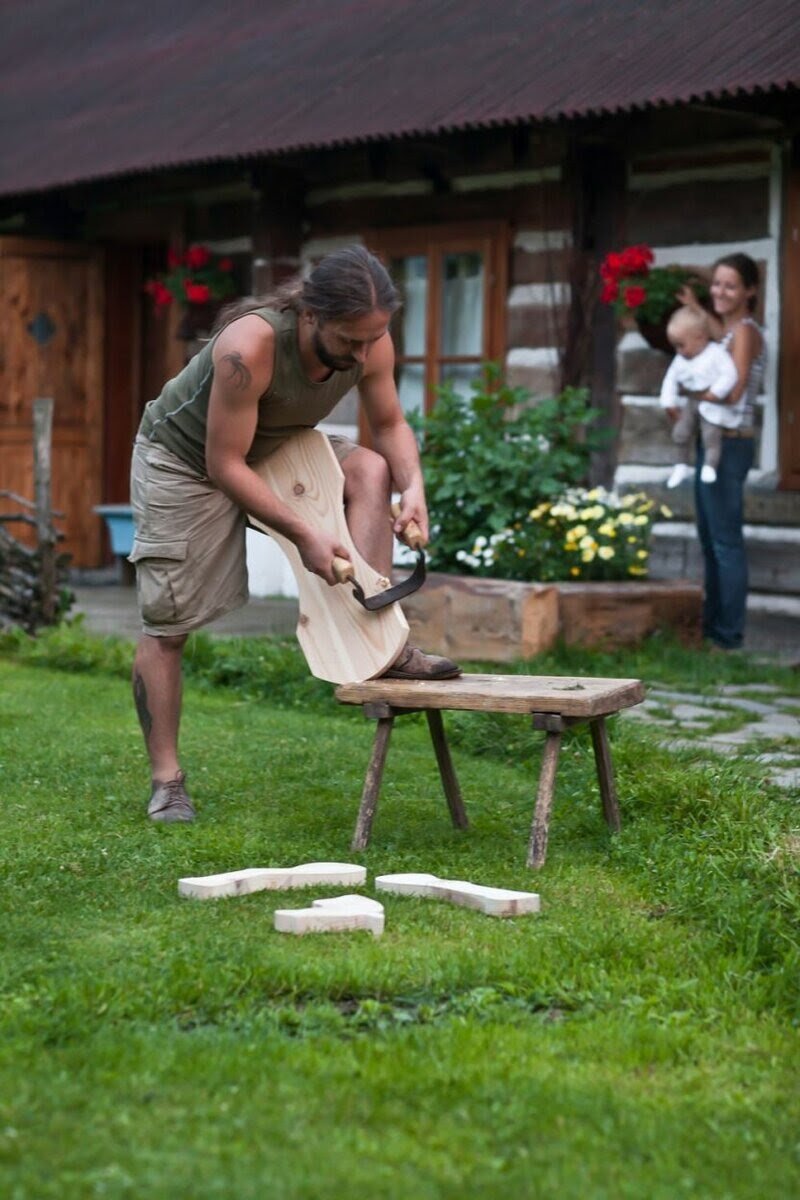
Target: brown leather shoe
[[170, 801], [415, 664]]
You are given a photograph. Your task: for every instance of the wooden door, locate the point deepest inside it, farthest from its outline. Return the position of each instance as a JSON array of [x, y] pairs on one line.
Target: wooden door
[[51, 344], [789, 390]]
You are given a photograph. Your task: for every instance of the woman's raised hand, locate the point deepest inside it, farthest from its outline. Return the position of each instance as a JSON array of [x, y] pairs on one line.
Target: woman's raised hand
[[686, 295]]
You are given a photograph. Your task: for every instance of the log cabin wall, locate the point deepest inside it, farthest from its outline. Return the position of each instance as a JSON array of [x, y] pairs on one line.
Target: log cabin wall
[[506, 185]]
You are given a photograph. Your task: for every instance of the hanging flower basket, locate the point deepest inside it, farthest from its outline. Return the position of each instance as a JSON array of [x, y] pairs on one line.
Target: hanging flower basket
[[648, 294], [655, 332], [197, 280]]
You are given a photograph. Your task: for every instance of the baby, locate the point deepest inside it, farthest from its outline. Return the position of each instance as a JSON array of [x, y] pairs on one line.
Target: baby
[[699, 365]]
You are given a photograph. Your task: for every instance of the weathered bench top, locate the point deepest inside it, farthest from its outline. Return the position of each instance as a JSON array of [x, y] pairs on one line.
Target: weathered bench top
[[568, 695]]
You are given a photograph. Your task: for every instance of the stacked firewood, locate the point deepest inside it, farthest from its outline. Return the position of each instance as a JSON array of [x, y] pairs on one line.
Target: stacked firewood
[[33, 579]]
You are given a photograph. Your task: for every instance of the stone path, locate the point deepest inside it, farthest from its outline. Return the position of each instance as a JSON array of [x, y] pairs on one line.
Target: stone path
[[751, 720]]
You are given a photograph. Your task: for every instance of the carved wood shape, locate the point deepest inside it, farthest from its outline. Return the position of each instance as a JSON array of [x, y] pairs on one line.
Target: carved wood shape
[[342, 642]]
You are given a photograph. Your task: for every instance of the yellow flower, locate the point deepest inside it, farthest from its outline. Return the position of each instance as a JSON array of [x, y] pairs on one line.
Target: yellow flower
[[625, 518], [634, 570], [587, 555], [640, 520], [574, 570], [607, 552], [587, 543], [665, 511], [570, 546], [607, 529], [577, 533], [537, 512], [641, 554], [520, 554], [632, 540]]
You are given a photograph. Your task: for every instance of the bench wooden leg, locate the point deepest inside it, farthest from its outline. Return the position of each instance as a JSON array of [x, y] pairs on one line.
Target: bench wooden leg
[[372, 783], [446, 770], [537, 850], [605, 773]]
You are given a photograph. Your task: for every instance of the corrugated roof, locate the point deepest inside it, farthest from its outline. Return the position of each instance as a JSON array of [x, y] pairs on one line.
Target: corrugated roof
[[90, 90]]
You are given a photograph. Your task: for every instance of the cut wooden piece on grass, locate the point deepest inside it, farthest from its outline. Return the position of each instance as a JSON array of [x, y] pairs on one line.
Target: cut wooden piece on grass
[[336, 915], [342, 642], [259, 879], [494, 902]]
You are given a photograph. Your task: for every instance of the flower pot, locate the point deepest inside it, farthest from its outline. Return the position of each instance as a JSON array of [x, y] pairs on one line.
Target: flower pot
[[495, 620], [197, 321], [655, 333]]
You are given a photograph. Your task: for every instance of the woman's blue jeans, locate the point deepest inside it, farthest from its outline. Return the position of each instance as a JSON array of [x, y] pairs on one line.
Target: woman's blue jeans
[[720, 519]]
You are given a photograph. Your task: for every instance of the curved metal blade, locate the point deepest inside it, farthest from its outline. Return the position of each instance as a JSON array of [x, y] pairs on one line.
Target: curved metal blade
[[383, 599]]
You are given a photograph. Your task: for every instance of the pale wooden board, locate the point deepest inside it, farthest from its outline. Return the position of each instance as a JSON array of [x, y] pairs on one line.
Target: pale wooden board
[[259, 879], [341, 640], [568, 695], [335, 915], [493, 902]]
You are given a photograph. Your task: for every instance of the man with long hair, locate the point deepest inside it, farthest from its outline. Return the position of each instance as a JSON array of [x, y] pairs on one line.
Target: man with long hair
[[277, 365]]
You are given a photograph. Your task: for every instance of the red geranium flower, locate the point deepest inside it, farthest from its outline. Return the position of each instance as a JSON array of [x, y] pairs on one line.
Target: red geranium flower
[[636, 260], [225, 264], [197, 257], [634, 296], [161, 295], [174, 258], [197, 293], [611, 267], [609, 292]]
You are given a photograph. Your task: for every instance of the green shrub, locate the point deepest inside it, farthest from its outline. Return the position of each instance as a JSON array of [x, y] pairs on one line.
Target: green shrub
[[489, 458]]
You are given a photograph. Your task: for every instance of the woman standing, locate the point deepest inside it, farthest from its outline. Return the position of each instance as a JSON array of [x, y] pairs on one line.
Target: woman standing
[[720, 505]]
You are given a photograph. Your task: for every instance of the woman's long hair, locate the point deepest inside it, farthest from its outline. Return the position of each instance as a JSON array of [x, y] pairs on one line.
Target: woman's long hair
[[746, 269], [344, 285]]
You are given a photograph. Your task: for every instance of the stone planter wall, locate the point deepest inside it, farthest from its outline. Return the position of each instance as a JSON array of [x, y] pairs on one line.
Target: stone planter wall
[[499, 620]]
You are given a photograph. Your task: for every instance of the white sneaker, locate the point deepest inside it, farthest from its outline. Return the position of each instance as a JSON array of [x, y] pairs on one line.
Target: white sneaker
[[679, 472], [708, 474]]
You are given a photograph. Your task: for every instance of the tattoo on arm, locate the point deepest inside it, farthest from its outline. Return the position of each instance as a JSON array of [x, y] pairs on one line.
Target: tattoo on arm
[[140, 700], [237, 372]]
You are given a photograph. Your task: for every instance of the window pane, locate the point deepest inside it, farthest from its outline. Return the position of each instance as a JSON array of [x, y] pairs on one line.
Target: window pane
[[408, 326], [460, 375], [411, 386], [462, 304]]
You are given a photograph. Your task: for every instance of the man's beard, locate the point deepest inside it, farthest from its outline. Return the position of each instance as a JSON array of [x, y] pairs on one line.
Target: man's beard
[[327, 359]]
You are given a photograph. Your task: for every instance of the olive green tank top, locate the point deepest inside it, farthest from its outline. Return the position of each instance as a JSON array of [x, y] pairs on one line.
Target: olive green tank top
[[177, 419]]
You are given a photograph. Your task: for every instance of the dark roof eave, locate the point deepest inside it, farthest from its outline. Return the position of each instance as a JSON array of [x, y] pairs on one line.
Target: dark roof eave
[[564, 117]]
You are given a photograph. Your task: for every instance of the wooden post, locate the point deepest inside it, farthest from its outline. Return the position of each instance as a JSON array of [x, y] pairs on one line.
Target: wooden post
[[45, 531]]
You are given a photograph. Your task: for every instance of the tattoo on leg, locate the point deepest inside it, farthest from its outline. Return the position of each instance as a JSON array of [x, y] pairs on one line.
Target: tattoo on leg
[[140, 700], [238, 373]]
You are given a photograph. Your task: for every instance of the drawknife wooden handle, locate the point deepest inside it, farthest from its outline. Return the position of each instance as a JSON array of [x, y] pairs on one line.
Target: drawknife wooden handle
[[412, 534], [343, 570]]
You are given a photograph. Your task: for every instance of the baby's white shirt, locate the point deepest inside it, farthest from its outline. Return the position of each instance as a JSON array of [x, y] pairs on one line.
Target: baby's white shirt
[[712, 370]]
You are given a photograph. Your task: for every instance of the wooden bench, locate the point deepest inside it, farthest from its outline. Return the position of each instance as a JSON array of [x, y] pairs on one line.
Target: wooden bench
[[554, 704]]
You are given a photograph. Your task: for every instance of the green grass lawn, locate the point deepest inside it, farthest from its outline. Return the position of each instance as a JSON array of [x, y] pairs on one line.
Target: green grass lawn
[[638, 1038]]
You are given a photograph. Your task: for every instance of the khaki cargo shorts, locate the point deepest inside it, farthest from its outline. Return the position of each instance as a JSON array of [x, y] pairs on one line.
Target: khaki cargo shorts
[[189, 543]]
